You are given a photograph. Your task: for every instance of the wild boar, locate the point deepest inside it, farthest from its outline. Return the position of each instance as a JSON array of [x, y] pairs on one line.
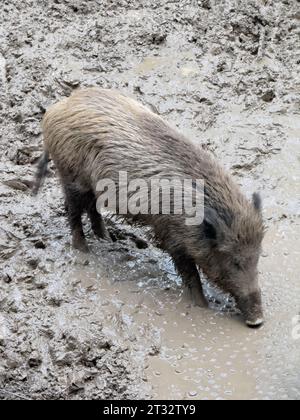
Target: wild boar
[[96, 133]]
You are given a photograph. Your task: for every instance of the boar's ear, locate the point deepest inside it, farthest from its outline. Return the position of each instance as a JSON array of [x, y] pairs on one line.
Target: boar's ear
[[257, 202], [210, 224]]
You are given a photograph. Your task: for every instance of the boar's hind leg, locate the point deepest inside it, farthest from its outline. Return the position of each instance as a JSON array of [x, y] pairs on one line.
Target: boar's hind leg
[[76, 203], [189, 273], [96, 219]]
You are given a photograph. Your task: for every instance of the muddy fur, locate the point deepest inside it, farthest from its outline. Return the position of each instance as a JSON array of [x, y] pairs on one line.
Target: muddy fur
[[97, 133]]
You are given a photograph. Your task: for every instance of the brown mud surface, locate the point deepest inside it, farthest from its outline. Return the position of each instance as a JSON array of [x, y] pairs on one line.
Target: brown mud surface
[[115, 324]]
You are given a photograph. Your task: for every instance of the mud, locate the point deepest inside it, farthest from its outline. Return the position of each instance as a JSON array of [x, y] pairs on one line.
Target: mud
[[115, 324]]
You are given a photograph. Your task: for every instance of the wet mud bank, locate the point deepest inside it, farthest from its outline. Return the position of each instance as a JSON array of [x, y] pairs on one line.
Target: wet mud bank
[[115, 323]]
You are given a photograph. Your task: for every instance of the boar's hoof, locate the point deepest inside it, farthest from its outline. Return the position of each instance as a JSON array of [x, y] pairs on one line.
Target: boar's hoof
[[255, 324], [81, 246], [103, 234], [198, 298]]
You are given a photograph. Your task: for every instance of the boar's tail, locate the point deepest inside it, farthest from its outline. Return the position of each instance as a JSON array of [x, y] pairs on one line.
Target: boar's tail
[[42, 170]]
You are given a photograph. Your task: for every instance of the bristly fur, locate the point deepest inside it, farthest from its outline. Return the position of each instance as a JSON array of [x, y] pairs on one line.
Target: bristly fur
[[97, 133]]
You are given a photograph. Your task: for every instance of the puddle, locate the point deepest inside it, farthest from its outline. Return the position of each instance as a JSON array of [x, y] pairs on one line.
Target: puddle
[[199, 353]]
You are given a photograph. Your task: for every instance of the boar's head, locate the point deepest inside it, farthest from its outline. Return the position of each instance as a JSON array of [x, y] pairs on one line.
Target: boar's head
[[232, 244]]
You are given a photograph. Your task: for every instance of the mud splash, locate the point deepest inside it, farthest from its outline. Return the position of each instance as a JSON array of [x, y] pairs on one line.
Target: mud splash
[[116, 324]]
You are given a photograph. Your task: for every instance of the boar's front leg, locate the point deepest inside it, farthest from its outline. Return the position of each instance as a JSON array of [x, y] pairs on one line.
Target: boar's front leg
[[189, 273]]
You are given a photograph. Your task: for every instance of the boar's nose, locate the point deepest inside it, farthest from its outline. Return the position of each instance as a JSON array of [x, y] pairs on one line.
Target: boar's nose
[[255, 324], [251, 308]]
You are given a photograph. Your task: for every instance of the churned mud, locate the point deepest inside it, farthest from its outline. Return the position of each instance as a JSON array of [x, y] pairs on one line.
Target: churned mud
[[115, 323]]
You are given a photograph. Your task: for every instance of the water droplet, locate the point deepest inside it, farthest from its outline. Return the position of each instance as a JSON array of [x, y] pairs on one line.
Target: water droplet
[[193, 394]]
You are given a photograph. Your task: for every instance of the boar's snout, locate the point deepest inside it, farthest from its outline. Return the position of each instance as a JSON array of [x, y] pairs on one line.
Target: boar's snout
[[251, 308]]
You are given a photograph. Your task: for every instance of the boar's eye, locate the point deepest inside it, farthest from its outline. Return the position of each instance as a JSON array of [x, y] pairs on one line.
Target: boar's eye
[[238, 266], [209, 230]]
